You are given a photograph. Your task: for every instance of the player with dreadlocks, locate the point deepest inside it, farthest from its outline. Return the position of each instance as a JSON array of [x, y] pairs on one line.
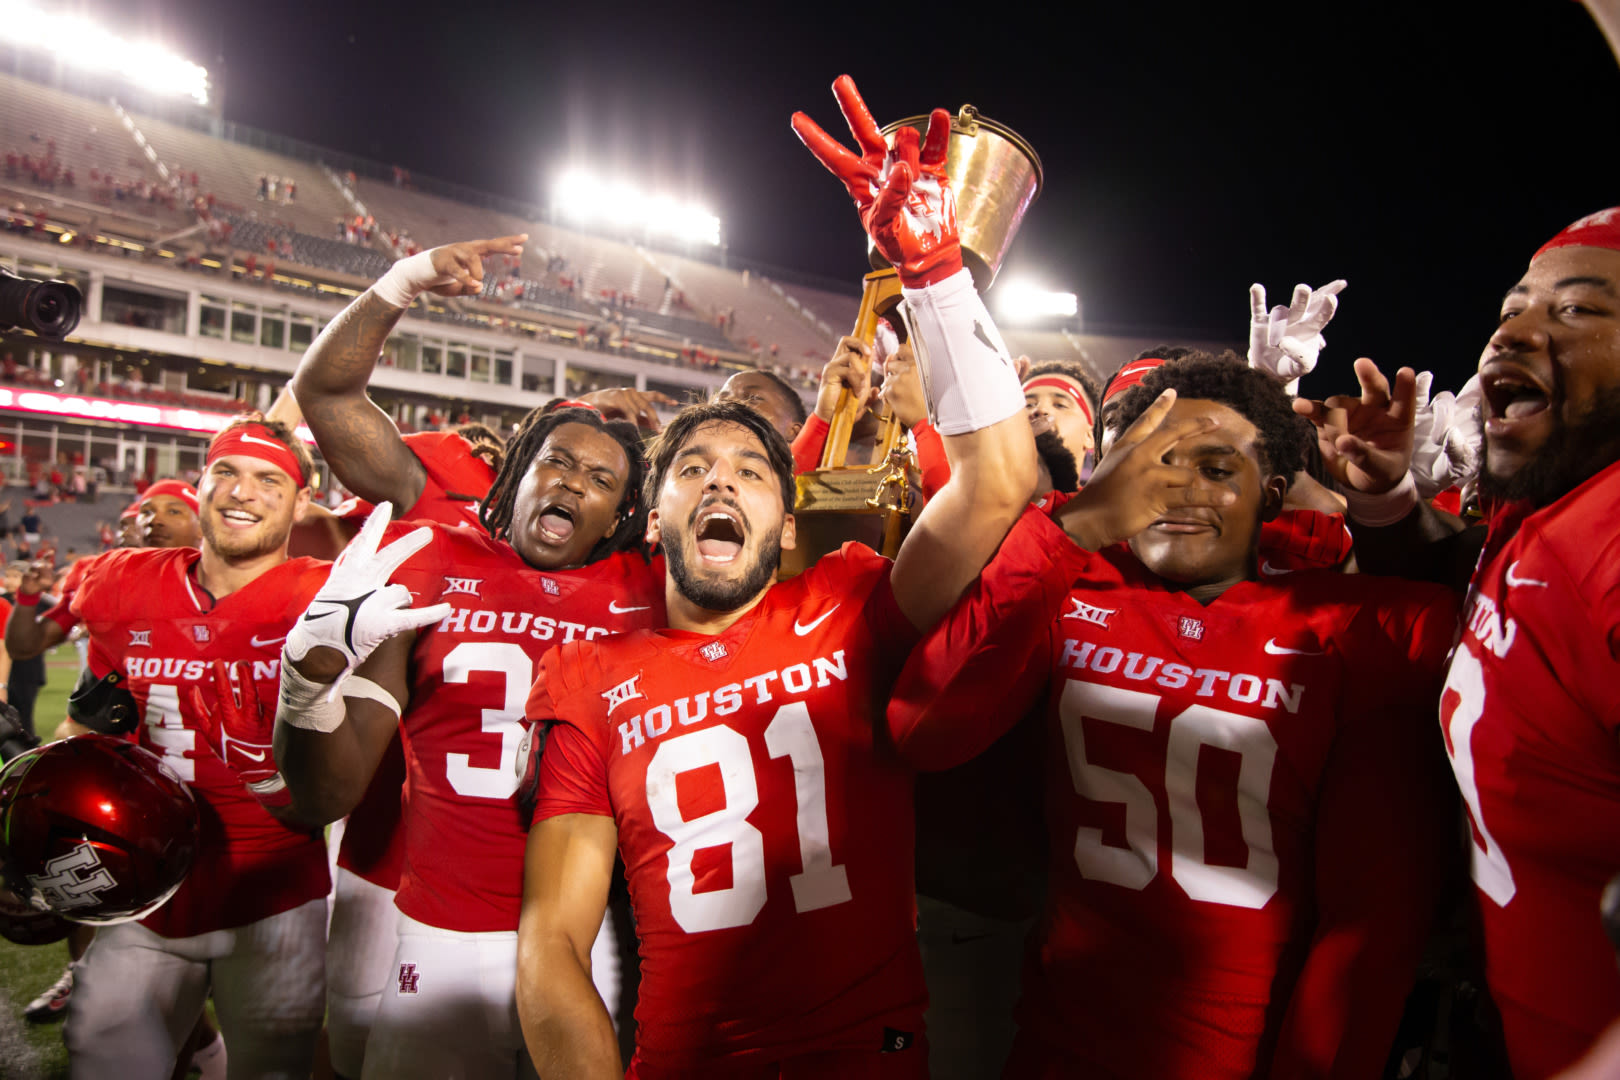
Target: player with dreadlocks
[[558, 559]]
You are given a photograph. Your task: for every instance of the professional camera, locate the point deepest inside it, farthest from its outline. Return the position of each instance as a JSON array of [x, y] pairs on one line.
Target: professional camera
[[48, 308]]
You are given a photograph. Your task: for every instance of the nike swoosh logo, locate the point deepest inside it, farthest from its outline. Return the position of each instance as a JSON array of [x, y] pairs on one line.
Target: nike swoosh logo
[[1277, 650], [254, 641], [1271, 571], [311, 616], [613, 606], [262, 442], [1514, 581], [259, 757], [802, 629]]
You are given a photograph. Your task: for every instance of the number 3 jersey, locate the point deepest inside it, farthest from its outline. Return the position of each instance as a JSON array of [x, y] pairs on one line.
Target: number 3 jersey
[[1245, 808], [765, 824], [470, 675], [1531, 716], [148, 618]]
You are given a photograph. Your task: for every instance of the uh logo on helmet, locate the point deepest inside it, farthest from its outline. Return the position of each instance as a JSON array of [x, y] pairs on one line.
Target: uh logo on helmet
[[94, 829]]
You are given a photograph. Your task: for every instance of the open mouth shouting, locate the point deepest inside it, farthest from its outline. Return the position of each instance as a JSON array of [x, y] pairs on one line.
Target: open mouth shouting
[[1514, 399], [556, 523], [720, 530]]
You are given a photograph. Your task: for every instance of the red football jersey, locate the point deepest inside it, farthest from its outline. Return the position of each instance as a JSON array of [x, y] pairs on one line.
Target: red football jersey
[[374, 842], [764, 822], [61, 612], [457, 480], [1531, 714], [1245, 821], [470, 676], [147, 617]]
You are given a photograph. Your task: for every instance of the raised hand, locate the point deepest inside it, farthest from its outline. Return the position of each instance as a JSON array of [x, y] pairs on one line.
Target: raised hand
[[902, 389], [1366, 441], [1286, 341], [1135, 484], [238, 731], [1446, 437], [903, 196], [849, 369], [628, 403], [460, 267], [357, 610]]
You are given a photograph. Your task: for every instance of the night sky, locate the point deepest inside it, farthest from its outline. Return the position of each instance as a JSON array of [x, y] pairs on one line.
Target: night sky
[[1422, 151]]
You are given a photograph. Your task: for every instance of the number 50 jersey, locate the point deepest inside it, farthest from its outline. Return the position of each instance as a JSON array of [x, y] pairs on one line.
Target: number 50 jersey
[[765, 824], [1245, 809]]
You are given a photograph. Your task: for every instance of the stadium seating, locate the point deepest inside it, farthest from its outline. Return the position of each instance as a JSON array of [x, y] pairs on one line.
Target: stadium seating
[[231, 173]]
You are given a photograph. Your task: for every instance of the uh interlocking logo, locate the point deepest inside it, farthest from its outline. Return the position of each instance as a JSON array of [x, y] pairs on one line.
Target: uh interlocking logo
[[408, 979], [74, 880]]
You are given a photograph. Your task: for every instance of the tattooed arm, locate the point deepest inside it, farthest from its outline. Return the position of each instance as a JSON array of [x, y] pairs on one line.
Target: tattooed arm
[[358, 440]]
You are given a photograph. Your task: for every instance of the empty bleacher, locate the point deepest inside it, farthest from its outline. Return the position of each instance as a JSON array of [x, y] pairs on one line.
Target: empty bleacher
[[231, 171]]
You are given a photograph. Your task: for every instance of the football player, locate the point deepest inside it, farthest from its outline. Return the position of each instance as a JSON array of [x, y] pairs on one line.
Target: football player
[[1531, 711], [438, 476], [248, 924], [767, 393], [1228, 896], [1065, 397], [736, 759], [556, 560]]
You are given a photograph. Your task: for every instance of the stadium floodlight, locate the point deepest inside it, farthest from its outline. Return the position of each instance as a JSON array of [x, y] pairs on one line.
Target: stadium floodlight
[[589, 200], [78, 42], [1020, 301]]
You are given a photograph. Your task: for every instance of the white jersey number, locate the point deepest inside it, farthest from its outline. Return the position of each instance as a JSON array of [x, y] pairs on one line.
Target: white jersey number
[[819, 884], [168, 731], [1195, 727], [1488, 865], [501, 658]]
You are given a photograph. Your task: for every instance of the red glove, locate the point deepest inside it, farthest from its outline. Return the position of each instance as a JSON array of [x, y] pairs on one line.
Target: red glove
[[903, 195], [239, 732]]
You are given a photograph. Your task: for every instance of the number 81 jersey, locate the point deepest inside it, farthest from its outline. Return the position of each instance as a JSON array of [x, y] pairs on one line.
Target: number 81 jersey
[[765, 824]]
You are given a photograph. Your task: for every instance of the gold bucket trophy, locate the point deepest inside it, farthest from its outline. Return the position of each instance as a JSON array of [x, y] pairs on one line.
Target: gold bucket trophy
[[996, 174]]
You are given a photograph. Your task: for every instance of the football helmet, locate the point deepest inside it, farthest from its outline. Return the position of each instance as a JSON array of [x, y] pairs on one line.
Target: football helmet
[[95, 830]]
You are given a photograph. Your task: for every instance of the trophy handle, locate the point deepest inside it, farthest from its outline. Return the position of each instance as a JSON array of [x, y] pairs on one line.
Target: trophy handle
[[879, 295]]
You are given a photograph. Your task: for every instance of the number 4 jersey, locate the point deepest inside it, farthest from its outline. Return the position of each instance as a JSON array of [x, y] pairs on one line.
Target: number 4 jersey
[[470, 675], [148, 618], [765, 824], [1245, 807]]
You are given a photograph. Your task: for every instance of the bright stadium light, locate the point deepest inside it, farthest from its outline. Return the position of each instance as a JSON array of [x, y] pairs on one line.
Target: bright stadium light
[[1020, 301], [589, 200], [80, 43]]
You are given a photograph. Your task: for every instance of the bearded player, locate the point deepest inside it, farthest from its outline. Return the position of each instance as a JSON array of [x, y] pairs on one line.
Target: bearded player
[[1531, 711], [736, 760], [1227, 897], [248, 924], [555, 561]]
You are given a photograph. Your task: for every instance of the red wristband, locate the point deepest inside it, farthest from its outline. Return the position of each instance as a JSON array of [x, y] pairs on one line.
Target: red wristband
[[28, 599]]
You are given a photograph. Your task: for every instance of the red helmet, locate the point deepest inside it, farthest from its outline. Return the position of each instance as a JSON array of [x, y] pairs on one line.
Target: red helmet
[[94, 829]]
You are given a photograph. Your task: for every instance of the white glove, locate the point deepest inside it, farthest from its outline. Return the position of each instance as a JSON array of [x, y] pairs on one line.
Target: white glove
[[357, 610], [1285, 342], [1446, 438]]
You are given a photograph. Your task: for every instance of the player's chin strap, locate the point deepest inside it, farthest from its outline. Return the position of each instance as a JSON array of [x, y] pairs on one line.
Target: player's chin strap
[[968, 375]]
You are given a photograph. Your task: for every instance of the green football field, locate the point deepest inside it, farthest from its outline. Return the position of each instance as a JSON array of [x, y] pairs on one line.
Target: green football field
[[24, 973]]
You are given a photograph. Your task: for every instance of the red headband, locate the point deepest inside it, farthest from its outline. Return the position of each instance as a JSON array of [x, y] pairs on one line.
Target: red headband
[[132, 510], [1068, 386], [1130, 375], [1601, 230], [257, 441], [178, 489]]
